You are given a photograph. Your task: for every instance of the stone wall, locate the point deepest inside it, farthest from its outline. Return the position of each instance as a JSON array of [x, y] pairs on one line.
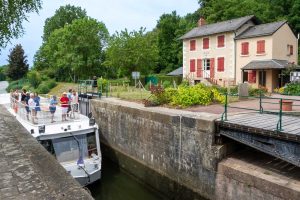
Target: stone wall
[[174, 152], [176, 144]]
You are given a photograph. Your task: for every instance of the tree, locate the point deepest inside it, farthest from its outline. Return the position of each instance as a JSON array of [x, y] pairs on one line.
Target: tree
[[74, 51], [17, 63], [168, 43], [12, 14], [132, 51], [64, 15]]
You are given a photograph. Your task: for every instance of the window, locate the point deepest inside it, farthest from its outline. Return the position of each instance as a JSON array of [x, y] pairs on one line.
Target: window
[[221, 40], [245, 48], [192, 65], [221, 64], [205, 43], [192, 45], [260, 46], [252, 76]]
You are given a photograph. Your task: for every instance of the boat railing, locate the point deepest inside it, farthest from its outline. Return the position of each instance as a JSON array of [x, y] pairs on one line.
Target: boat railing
[[45, 113]]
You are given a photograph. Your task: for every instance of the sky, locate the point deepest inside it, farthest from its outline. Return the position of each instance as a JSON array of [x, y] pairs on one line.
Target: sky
[[115, 14]]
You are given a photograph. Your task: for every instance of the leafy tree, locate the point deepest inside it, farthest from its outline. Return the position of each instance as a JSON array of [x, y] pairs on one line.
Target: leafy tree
[[64, 15], [12, 14], [17, 67], [132, 51], [75, 51], [3, 72], [169, 47]]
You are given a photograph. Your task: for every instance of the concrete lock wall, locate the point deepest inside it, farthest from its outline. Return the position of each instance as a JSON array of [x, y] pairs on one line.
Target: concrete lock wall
[[176, 145], [174, 152]]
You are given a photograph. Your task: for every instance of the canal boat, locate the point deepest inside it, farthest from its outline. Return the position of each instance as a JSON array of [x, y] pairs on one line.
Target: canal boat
[[74, 143]]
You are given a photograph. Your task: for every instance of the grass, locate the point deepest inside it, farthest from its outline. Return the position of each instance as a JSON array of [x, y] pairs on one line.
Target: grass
[[129, 93], [122, 92], [63, 87]]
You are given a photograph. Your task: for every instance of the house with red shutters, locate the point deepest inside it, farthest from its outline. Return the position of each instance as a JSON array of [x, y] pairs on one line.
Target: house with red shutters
[[239, 50]]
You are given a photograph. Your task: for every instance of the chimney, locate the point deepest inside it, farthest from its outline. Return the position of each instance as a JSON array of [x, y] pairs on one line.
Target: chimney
[[201, 22]]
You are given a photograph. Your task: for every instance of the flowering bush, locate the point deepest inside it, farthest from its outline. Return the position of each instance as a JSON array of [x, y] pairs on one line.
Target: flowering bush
[[193, 95]]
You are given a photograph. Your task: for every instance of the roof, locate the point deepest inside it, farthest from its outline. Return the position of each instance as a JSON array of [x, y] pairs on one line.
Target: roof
[[220, 27], [176, 72], [261, 30], [266, 64]]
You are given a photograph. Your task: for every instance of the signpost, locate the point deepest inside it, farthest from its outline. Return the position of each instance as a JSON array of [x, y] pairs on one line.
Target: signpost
[[135, 76]]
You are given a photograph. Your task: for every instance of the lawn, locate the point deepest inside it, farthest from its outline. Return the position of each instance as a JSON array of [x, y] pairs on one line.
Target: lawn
[[63, 87], [122, 92]]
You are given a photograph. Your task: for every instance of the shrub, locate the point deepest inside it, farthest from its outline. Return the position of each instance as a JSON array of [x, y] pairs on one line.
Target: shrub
[[292, 89], [45, 87], [19, 84], [217, 96], [193, 95], [34, 78], [167, 84], [102, 85], [257, 91]]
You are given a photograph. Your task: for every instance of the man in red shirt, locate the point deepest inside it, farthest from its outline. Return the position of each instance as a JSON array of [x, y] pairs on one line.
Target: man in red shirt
[[64, 103]]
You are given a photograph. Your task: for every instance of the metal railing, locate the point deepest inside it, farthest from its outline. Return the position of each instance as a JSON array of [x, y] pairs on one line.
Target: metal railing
[[93, 87], [37, 115], [266, 105]]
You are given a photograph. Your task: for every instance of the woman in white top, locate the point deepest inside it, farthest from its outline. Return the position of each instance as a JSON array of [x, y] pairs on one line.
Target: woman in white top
[[32, 105], [74, 103]]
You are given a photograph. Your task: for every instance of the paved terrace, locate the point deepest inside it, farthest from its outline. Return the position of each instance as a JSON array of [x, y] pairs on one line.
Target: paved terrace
[[27, 170]]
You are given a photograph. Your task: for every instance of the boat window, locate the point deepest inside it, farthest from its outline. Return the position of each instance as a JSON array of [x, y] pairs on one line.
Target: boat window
[[48, 145], [92, 146], [66, 149]]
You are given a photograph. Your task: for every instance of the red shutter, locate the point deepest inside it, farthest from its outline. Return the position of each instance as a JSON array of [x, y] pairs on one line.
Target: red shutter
[[291, 50], [261, 46], [221, 64], [221, 41], [192, 65], [212, 68], [245, 48], [199, 68], [205, 43], [192, 45], [252, 76]]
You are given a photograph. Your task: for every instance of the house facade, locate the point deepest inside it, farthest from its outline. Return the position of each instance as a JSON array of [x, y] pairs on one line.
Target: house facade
[[239, 50]]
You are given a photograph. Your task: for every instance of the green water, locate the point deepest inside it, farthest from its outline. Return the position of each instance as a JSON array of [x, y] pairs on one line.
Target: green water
[[117, 185]]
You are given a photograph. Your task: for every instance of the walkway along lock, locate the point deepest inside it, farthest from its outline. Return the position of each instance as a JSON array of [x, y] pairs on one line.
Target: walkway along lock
[[266, 105]]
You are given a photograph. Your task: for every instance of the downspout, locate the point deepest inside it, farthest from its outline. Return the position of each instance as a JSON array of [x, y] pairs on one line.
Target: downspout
[[234, 57]]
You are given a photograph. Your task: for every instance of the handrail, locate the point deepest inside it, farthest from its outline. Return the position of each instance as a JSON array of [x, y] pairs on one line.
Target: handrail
[[261, 97], [45, 113]]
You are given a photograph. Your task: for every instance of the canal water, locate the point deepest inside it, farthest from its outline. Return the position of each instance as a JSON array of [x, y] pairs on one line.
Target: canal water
[[118, 185], [115, 183]]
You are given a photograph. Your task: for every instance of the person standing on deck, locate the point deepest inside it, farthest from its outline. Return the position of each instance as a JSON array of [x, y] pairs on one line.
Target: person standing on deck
[[74, 104], [37, 100], [69, 95], [64, 102], [32, 104], [27, 97], [52, 107]]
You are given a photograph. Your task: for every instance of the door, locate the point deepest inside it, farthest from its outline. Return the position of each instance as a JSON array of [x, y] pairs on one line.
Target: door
[[262, 78], [206, 68]]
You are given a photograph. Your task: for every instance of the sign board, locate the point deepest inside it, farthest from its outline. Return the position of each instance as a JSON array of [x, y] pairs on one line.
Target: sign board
[[135, 75]]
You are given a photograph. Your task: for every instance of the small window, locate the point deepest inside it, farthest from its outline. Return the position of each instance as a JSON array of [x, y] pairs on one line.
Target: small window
[[192, 45], [221, 41], [260, 46], [192, 65], [245, 48], [205, 43], [220, 64]]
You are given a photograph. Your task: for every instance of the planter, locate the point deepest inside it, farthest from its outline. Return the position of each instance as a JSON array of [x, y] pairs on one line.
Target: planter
[[287, 105]]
